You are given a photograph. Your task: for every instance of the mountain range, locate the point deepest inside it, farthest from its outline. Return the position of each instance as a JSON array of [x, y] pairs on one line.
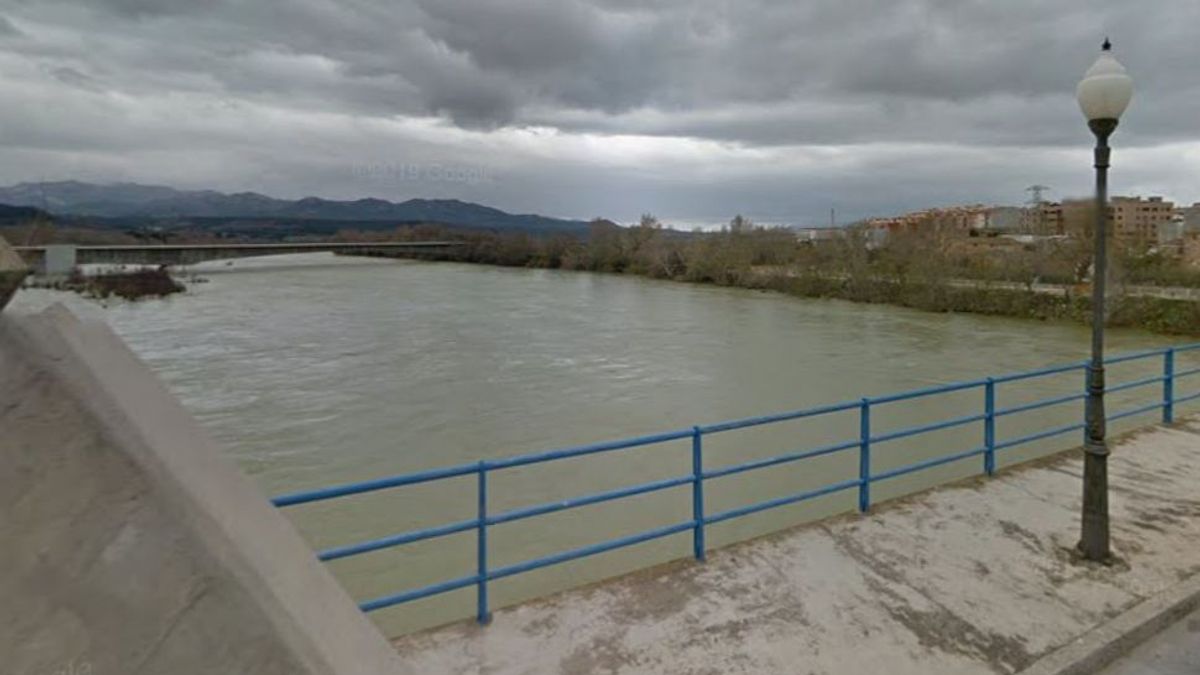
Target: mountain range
[[19, 214], [125, 203]]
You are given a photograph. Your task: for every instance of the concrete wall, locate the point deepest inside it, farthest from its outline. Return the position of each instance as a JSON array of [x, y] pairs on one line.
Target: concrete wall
[[12, 272], [128, 544]]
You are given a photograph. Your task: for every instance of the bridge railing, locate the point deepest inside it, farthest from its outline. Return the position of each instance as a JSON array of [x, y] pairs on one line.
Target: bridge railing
[[1164, 400]]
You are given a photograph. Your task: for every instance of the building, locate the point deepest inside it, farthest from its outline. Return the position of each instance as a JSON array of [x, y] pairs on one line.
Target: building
[[1135, 221], [1190, 216], [1004, 219], [947, 220], [1170, 234], [1046, 219], [1179, 237], [1078, 217], [815, 234], [1189, 248]]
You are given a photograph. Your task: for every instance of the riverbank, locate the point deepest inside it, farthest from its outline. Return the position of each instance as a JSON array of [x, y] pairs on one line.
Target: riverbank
[[977, 577], [1159, 315], [1163, 315]]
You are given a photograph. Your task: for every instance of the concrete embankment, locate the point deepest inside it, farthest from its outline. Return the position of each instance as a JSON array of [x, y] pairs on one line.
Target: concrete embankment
[[130, 545], [978, 577]]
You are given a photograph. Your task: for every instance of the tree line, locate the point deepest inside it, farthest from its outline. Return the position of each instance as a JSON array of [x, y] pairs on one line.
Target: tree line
[[922, 268]]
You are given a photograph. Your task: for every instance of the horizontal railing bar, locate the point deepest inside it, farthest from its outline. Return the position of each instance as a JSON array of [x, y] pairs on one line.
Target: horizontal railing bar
[[582, 552], [779, 459], [1189, 397], [1135, 411], [778, 417], [530, 511], [927, 391], [418, 593], [1134, 384], [396, 540], [1187, 348], [934, 426], [1039, 435], [1040, 372], [927, 464], [781, 501], [1121, 358], [372, 485], [1185, 373], [579, 450], [1041, 403]]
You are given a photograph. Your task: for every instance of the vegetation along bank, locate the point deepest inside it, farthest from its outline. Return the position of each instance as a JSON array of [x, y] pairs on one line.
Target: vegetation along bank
[[929, 270]]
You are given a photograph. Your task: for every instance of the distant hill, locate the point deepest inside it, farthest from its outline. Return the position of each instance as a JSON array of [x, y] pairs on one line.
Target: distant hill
[[124, 203], [20, 214]]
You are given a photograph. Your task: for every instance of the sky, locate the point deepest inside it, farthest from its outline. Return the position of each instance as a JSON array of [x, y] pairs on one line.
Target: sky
[[690, 110]]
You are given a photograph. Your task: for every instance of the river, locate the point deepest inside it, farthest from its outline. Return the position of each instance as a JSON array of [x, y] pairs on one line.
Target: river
[[314, 370]]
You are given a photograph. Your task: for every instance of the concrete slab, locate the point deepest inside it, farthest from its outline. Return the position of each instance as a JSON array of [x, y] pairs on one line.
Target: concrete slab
[[979, 577], [1176, 651], [1095, 649]]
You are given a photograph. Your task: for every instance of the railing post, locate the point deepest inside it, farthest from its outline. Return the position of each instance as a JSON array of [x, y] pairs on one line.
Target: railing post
[[1168, 413], [864, 455], [482, 613], [989, 427], [697, 496]]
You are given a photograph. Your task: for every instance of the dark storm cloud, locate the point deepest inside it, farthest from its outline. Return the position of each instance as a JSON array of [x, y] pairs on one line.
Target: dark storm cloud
[[746, 82]]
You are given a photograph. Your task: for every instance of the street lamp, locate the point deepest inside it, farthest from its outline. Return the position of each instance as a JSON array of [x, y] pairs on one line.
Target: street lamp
[[1103, 95]]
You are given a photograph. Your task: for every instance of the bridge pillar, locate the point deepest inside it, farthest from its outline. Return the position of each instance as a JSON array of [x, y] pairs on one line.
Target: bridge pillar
[[59, 260]]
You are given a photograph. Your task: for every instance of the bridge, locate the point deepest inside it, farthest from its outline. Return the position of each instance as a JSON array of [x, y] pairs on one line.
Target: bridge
[[112, 480], [62, 258]]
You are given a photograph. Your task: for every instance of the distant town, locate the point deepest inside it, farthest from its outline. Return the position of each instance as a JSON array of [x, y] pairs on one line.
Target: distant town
[[1139, 224]]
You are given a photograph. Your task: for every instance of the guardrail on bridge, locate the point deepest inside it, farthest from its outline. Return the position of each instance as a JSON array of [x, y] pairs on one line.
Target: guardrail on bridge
[[699, 475]]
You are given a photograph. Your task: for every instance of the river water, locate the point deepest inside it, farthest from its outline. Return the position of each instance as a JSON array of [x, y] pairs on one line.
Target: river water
[[315, 370]]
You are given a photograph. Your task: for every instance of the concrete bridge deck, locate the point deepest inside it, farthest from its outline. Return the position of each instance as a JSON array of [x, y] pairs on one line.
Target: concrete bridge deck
[[1176, 651], [978, 577]]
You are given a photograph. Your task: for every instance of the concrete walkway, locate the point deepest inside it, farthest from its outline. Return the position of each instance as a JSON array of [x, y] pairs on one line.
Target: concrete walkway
[[973, 578], [1175, 651]]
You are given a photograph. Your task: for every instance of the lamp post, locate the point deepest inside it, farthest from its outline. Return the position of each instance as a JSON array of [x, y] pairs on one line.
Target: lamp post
[[1103, 95]]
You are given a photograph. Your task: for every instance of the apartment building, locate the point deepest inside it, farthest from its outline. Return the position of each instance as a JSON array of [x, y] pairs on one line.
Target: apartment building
[[1136, 221]]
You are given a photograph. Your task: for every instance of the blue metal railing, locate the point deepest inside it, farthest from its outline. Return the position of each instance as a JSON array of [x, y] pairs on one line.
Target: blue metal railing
[[699, 475]]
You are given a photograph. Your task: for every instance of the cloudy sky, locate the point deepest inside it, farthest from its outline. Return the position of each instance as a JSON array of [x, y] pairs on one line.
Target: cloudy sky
[[692, 110]]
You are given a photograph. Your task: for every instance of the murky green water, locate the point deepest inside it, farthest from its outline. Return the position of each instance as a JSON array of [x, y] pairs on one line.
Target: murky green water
[[314, 370]]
